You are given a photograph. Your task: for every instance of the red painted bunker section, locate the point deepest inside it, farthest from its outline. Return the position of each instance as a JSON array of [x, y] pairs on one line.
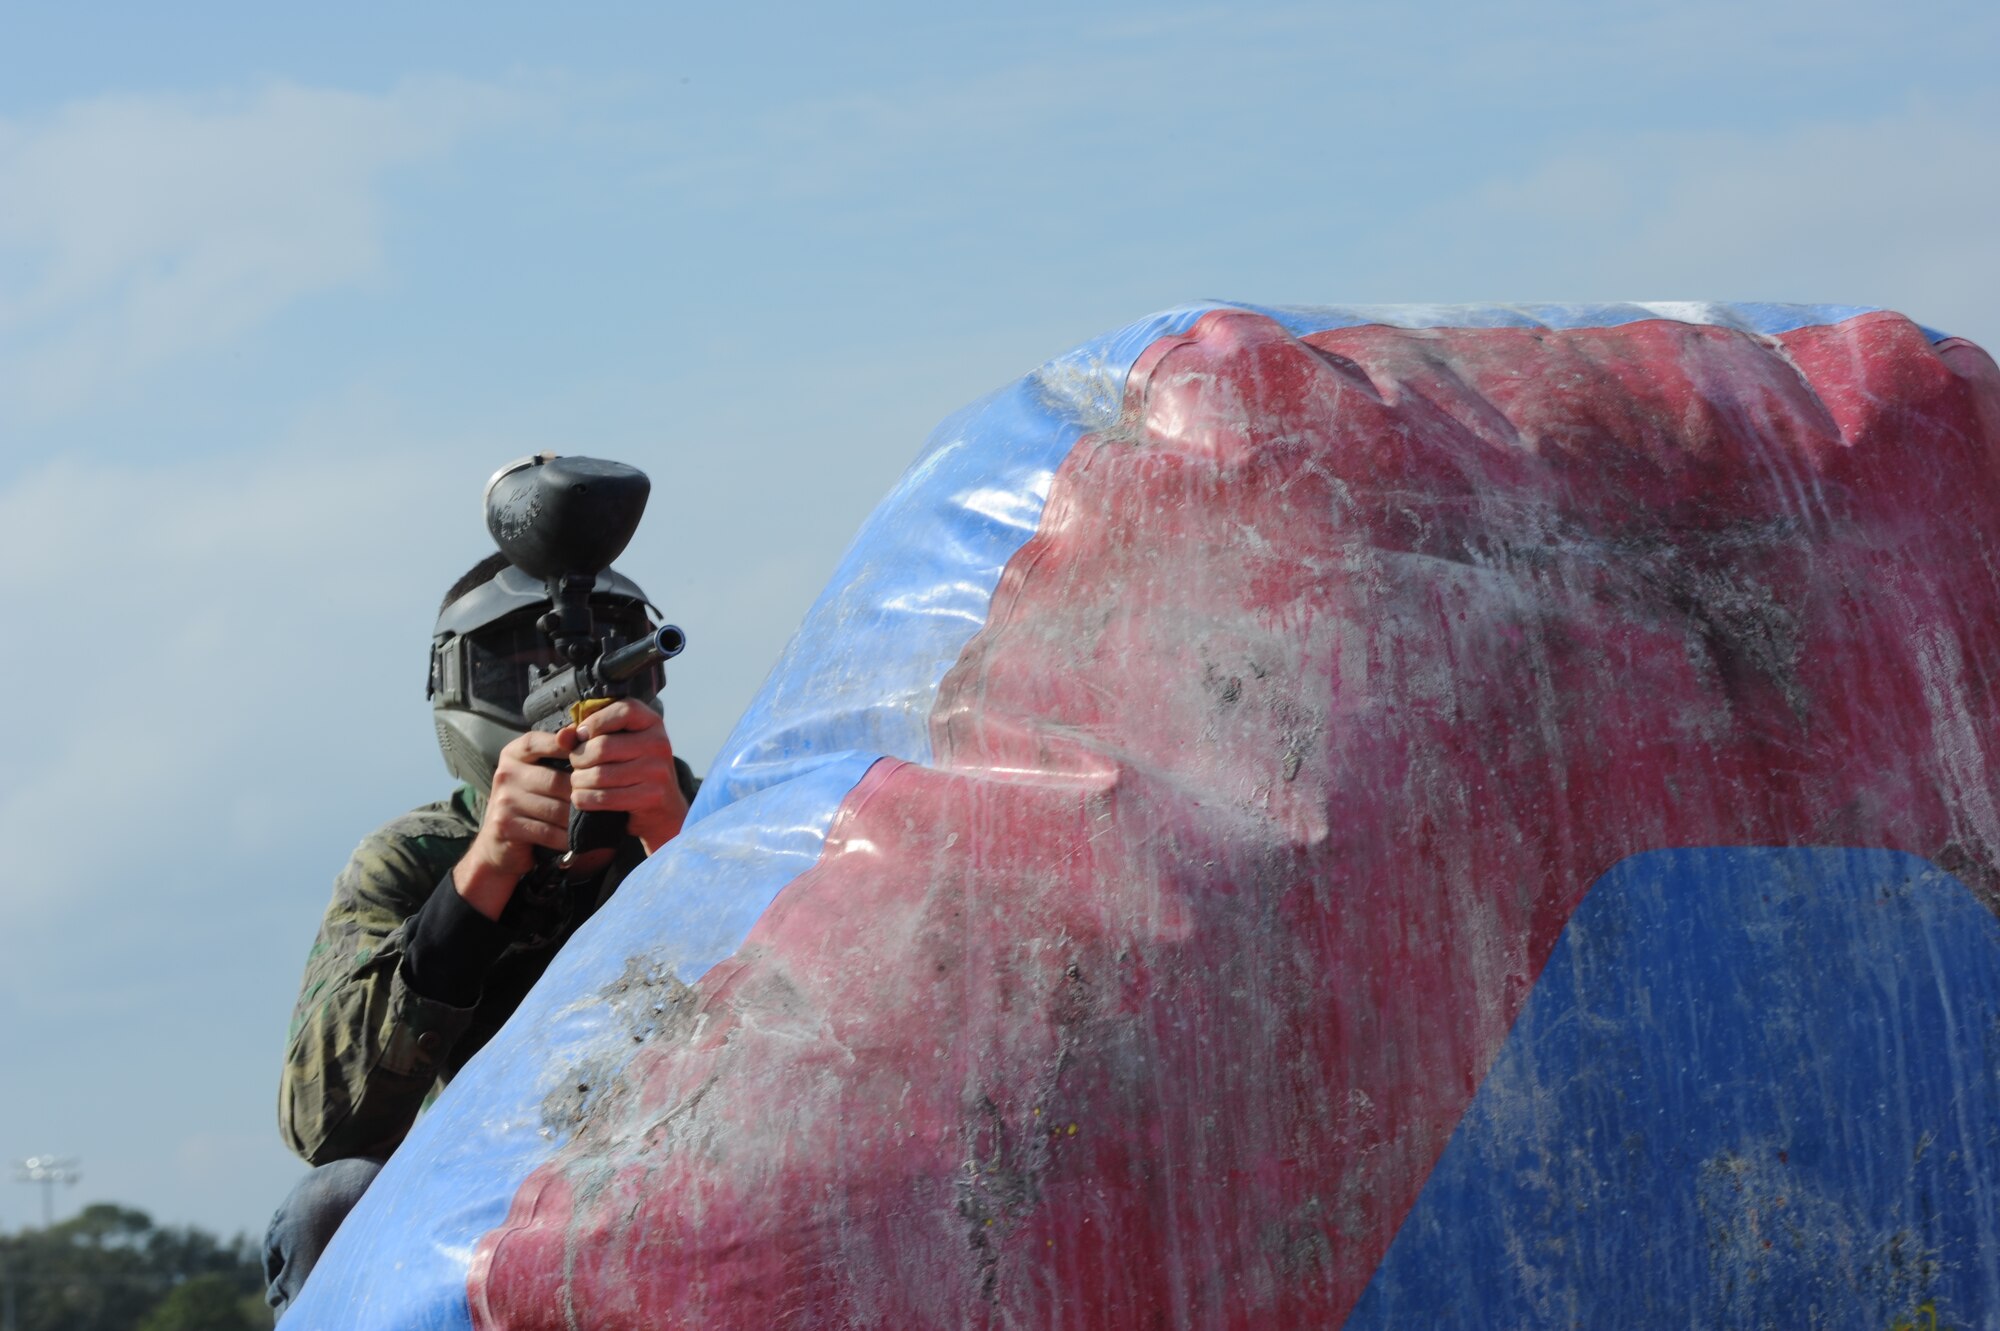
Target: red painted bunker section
[[1338, 670]]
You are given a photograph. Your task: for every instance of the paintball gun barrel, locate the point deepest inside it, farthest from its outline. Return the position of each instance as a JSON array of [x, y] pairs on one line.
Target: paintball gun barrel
[[554, 702]]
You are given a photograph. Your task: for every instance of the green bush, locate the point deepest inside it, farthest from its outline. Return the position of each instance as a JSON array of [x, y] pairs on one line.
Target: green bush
[[109, 1268]]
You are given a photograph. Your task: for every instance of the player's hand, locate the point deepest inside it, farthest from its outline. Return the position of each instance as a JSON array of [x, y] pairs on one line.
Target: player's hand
[[623, 761], [528, 807]]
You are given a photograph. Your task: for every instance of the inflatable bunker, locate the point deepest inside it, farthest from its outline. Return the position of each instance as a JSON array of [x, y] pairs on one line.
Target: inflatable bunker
[[1311, 818]]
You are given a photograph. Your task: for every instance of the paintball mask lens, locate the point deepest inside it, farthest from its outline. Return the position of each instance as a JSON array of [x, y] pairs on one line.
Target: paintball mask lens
[[504, 662]]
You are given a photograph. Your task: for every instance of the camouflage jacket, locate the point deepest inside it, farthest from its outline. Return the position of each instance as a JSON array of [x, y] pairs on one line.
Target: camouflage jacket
[[366, 1051]]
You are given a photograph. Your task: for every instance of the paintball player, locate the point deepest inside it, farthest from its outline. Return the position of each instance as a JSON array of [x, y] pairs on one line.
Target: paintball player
[[443, 919]]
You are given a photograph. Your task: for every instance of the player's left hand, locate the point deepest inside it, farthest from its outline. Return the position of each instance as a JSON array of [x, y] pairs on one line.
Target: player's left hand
[[623, 761]]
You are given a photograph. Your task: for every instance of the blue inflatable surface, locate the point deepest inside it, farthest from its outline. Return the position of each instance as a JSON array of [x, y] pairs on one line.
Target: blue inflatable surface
[[1752, 1088]]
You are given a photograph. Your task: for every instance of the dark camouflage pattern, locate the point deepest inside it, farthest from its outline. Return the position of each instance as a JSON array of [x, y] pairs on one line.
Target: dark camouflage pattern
[[366, 1051]]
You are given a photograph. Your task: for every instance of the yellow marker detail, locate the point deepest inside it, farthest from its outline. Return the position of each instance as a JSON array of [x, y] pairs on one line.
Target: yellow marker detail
[[1925, 1320], [1072, 1129], [587, 707]]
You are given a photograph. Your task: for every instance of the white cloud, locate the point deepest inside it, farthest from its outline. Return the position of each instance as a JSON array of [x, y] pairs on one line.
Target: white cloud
[[224, 657], [198, 627], [137, 229], [1893, 211]]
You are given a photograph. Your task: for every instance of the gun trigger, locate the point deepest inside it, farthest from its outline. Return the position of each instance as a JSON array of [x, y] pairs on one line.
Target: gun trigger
[[587, 707]]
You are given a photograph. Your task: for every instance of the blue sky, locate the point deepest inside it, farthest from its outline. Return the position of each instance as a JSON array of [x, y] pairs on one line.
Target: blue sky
[[278, 289]]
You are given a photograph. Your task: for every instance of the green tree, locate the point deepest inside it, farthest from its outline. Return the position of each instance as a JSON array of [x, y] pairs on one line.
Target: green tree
[[109, 1267], [205, 1303]]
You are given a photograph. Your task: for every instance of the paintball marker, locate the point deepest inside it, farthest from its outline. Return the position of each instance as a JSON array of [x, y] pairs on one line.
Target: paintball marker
[[562, 520]]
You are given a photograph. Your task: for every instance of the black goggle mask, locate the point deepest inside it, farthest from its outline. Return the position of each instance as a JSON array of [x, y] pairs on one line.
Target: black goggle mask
[[492, 670]]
